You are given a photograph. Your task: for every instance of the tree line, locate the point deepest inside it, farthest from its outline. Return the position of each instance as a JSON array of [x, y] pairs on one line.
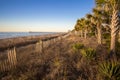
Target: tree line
[[105, 18]]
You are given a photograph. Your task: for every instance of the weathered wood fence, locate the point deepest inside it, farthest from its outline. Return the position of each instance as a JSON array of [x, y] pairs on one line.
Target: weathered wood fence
[[10, 62]]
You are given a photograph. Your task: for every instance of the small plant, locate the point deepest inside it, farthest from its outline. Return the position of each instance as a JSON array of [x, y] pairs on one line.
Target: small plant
[[110, 70], [91, 34], [77, 46], [57, 62], [88, 53], [106, 35], [108, 42]]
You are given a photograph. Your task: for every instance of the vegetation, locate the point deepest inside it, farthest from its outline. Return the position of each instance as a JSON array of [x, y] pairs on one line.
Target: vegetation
[[105, 17], [88, 53], [93, 55], [110, 70], [72, 58], [78, 46]]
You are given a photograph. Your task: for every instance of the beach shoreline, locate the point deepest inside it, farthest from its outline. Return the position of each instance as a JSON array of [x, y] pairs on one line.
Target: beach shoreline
[[26, 40]]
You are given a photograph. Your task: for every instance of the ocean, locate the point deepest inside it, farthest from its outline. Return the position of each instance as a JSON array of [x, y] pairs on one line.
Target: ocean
[[4, 35]]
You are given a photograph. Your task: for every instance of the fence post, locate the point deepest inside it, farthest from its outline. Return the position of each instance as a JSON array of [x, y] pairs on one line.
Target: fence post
[[3, 66], [12, 59], [39, 46], [54, 40], [9, 55]]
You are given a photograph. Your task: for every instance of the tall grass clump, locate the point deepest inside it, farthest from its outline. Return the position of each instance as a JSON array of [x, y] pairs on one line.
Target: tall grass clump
[[110, 70], [106, 35], [77, 46], [89, 53]]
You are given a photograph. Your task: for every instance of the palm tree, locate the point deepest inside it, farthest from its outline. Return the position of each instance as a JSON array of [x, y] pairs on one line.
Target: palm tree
[[87, 27], [79, 26], [96, 19], [115, 24], [83, 31], [115, 21], [92, 27]]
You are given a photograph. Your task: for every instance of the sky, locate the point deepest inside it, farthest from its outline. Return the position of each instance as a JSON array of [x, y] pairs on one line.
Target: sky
[[42, 15]]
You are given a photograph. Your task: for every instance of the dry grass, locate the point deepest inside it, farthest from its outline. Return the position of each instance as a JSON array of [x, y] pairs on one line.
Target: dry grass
[[57, 62]]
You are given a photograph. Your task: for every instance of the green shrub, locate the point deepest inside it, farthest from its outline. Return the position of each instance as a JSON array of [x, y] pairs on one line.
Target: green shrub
[[77, 46], [108, 42], [91, 34], [110, 70], [106, 35], [88, 53]]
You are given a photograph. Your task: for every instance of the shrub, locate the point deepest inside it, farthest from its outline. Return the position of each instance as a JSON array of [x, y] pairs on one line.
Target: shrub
[[77, 46], [88, 53], [106, 35], [110, 70], [91, 34]]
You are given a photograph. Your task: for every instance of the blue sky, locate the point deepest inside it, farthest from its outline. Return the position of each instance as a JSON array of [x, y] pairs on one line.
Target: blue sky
[[42, 15]]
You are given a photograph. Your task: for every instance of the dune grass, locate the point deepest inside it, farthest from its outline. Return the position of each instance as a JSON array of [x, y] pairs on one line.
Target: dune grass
[[71, 58]]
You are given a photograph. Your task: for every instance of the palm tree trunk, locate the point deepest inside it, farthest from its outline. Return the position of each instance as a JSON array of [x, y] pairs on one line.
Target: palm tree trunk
[[96, 33], [81, 33], [85, 34], [114, 30], [99, 36]]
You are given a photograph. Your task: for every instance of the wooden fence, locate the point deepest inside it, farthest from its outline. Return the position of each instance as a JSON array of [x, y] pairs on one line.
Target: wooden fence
[[10, 61]]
